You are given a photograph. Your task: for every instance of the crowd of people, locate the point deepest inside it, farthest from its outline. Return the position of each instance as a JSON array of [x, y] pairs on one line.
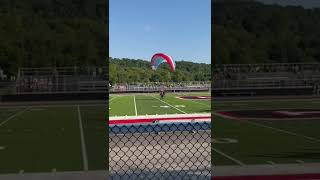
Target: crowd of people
[[57, 79], [32, 84]]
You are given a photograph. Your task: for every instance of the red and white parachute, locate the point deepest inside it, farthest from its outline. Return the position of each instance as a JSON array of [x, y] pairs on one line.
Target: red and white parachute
[[160, 58]]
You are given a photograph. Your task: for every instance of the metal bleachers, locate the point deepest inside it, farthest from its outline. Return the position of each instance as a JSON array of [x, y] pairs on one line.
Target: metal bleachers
[[61, 80], [262, 76]]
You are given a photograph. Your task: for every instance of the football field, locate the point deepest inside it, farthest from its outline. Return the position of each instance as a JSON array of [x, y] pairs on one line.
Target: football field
[[147, 136], [52, 138], [152, 104], [266, 131]]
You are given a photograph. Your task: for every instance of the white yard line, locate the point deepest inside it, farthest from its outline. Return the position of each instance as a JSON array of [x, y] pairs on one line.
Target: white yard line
[[284, 131], [14, 115], [170, 105], [113, 99], [229, 157], [135, 105], [83, 144], [269, 127]]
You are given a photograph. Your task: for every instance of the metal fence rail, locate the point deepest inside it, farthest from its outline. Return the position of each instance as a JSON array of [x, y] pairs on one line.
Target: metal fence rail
[[264, 83], [160, 151], [157, 86], [61, 80]]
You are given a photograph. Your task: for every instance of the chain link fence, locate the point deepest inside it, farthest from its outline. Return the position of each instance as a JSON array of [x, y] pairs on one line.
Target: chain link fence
[[160, 151]]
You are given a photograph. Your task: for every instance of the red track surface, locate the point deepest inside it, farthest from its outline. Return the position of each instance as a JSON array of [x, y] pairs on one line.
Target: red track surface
[[196, 97], [150, 120], [271, 177]]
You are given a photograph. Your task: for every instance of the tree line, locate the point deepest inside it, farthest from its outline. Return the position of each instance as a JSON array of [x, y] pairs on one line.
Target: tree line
[[252, 32], [136, 70], [42, 33]]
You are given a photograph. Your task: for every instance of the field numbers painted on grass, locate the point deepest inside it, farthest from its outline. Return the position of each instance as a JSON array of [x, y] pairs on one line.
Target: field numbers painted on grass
[[164, 106], [169, 106]]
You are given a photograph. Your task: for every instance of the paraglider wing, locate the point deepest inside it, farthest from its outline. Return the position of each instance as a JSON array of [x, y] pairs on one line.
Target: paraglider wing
[[160, 58]]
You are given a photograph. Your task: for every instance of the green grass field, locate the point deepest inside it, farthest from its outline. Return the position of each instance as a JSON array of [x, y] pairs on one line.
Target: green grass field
[[48, 138], [151, 104], [265, 141]]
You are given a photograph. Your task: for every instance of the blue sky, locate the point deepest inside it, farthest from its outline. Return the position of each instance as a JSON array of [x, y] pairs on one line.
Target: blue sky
[[179, 28]]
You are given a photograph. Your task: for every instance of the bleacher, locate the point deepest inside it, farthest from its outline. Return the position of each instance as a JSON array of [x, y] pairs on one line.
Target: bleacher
[[58, 84], [61, 80], [275, 78]]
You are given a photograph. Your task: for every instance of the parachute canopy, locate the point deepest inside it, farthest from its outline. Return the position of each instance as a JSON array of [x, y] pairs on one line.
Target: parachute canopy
[[160, 58]]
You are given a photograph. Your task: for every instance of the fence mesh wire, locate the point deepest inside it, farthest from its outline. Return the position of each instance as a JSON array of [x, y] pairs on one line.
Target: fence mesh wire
[[160, 151]]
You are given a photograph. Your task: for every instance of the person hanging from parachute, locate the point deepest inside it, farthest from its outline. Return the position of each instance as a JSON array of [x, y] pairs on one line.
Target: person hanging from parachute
[[158, 59], [162, 92]]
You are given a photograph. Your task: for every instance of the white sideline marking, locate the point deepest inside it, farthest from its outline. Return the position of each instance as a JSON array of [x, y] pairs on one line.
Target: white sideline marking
[[113, 99], [21, 171], [135, 105], [13, 116], [83, 145], [269, 127], [170, 105], [224, 140], [229, 157], [284, 131], [54, 170]]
